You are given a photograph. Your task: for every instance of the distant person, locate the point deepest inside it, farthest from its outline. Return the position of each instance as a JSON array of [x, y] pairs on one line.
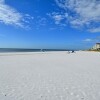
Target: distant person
[[73, 51]]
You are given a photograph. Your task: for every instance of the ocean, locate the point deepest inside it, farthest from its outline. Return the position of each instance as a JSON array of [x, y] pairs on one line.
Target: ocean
[[5, 50]]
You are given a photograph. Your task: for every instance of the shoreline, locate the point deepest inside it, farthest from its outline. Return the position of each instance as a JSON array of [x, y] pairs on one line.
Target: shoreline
[[46, 52]]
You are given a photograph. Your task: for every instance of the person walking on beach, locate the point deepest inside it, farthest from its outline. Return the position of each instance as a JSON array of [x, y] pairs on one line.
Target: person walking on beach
[[73, 51]]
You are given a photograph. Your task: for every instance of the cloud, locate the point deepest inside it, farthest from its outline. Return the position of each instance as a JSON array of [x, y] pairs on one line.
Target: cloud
[[87, 40], [40, 22], [11, 16], [81, 13], [93, 30], [57, 17], [93, 40]]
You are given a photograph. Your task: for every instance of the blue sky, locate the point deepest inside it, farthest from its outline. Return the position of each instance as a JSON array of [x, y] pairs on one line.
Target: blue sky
[[50, 24]]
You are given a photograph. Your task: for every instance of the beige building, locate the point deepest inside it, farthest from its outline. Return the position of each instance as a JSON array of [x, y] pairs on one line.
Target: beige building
[[96, 46]]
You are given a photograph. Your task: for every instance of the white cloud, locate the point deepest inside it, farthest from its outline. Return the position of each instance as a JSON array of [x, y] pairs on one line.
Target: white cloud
[[93, 30], [58, 18], [11, 16], [87, 40], [40, 21], [94, 40], [82, 13]]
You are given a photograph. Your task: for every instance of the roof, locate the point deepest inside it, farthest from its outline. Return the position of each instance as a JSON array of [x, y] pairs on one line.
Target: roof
[[97, 43]]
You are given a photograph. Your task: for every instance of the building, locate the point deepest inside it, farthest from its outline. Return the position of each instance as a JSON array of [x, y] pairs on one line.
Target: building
[[96, 46]]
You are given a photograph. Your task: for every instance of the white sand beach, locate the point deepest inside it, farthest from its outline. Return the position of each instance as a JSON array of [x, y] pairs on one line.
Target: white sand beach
[[50, 76]]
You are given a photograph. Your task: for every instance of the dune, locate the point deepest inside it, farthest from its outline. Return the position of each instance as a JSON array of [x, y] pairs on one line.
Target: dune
[[50, 76]]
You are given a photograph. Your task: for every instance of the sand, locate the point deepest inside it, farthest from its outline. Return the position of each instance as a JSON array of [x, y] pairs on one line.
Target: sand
[[50, 76]]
